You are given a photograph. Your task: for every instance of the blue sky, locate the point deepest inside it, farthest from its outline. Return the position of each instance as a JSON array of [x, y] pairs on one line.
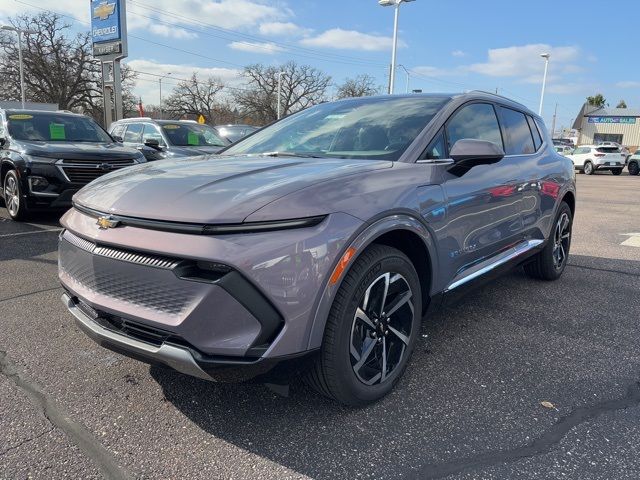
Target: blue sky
[[446, 45]]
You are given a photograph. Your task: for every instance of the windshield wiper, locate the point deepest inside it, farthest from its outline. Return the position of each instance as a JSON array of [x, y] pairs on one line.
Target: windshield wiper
[[290, 154]]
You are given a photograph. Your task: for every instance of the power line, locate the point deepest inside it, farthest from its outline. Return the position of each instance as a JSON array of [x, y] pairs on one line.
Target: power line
[[234, 33]]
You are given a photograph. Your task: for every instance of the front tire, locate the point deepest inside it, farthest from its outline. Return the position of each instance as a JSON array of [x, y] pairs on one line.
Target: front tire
[[633, 168], [588, 168], [552, 260], [12, 192], [371, 330]]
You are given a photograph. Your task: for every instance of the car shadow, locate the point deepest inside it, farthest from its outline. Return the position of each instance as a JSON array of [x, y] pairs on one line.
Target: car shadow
[[473, 385]]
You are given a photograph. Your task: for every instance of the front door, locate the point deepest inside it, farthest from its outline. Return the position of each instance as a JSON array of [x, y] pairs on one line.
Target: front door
[[483, 203]]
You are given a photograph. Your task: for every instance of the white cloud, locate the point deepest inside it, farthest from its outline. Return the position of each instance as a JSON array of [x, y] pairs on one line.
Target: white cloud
[[265, 48], [525, 61], [172, 32], [148, 86], [281, 28], [458, 53], [628, 84], [350, 40]]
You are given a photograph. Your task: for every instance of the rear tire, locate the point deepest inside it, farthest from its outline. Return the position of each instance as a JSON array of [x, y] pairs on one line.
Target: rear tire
[[634, 168], [12, 193], [365, 349], [617, 171], [588, 168], [552, 260]]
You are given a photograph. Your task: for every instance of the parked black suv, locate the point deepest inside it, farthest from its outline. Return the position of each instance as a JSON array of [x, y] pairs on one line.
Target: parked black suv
[[46, 157], [159, 139]]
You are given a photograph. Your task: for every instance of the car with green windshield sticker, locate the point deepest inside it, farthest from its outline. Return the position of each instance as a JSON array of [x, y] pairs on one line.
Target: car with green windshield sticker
[[46, 157], [163, 139]]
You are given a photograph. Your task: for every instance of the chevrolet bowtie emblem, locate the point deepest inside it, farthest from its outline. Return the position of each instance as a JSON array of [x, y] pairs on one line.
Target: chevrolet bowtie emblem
[[104, 10], [107, 222]]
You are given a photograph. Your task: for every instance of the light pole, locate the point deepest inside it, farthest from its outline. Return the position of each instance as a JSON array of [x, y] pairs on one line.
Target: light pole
[[393, 3], [19, 32], [279, 91], [406, 90], [160, 82], [544, 79]]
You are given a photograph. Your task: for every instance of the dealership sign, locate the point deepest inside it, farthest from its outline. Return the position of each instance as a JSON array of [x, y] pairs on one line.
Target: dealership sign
[[625, 120], [108, 28]]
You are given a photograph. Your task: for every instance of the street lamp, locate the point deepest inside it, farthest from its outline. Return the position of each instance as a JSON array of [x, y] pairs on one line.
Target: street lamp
[[393, 3], [19, 32], [160, 82], [279, 91], [544, 79]]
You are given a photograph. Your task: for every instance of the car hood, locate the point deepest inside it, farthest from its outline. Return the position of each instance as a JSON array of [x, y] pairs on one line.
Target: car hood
[[211, 189], [79, 150]]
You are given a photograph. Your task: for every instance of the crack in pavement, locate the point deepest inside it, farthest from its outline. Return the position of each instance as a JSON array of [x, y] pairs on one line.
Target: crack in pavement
[[602, 269], [27, 440], [30, 293], [540, 446], [77, 432]]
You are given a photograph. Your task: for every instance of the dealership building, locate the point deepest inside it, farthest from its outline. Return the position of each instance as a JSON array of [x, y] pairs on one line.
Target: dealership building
[[595, 125]]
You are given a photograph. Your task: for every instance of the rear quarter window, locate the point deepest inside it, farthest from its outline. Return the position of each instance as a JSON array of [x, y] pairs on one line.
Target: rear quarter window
[[517, 134]]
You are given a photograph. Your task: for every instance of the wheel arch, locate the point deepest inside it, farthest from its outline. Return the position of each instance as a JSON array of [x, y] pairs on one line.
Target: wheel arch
[[570, 199], [402, 231]]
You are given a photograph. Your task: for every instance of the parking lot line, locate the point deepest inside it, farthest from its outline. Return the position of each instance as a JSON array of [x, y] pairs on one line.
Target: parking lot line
[[632, 241], [30, 233]]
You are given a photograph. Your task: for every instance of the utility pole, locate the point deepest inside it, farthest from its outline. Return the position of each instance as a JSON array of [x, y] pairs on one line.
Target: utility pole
[[553, 124]]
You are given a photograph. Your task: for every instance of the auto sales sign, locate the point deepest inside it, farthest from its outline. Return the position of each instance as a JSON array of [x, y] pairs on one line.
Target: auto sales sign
[[108, 27], [625, 120]]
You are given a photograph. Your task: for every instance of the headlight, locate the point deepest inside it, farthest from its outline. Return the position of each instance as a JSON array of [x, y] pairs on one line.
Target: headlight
[[35, 159]]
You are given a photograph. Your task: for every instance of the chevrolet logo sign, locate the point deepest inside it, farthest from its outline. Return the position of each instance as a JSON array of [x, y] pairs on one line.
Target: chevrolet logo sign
[[104, 10], [106, 222]]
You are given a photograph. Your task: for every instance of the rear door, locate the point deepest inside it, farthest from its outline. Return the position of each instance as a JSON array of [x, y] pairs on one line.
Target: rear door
[[483, 203]]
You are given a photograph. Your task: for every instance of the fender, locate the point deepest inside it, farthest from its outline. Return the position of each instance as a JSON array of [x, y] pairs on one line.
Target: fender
[[361, 240]]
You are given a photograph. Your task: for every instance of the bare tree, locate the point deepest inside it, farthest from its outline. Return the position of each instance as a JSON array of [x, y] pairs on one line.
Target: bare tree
[[58, 68], [302, 86], [195, 97], [621, 104], [360, 86]]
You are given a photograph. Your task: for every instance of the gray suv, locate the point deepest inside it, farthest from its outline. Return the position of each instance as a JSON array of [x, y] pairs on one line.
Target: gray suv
[[318, 244], [162, 139]]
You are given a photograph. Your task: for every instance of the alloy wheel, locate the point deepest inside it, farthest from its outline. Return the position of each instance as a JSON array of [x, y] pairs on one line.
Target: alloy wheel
[[12, 195], [561, 238], [381, 328], [588, 168]]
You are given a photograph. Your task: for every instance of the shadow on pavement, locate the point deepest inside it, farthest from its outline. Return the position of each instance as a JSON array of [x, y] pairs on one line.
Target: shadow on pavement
[[473, 387]]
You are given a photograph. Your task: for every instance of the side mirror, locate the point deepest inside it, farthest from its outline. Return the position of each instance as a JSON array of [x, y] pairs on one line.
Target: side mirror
[[2, 141], [476, 152], [152, 142], [117, 138]]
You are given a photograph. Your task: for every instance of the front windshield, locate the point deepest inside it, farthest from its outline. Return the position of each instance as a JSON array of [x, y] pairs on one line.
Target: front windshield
[[379, 128], [54, 127], [192, 135]]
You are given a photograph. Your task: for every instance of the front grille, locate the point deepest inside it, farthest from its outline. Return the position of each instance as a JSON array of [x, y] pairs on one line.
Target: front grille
[[85, 171], [120, 254], [133, 330], [119, 161]]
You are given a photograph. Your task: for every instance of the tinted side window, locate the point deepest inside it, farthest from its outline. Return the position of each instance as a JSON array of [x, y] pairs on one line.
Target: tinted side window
[[118, 130], [436, 149], [134, 133], [152, 131], [517, 133], [537, 138], [476, 121]]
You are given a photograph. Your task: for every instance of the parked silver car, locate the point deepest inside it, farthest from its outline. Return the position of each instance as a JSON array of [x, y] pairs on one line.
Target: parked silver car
[[317, 245]]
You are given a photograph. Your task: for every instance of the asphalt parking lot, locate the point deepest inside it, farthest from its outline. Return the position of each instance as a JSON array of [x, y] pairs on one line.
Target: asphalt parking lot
[[469, 406]]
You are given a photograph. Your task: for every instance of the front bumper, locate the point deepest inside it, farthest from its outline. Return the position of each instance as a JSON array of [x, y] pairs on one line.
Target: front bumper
[[184, 359]]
